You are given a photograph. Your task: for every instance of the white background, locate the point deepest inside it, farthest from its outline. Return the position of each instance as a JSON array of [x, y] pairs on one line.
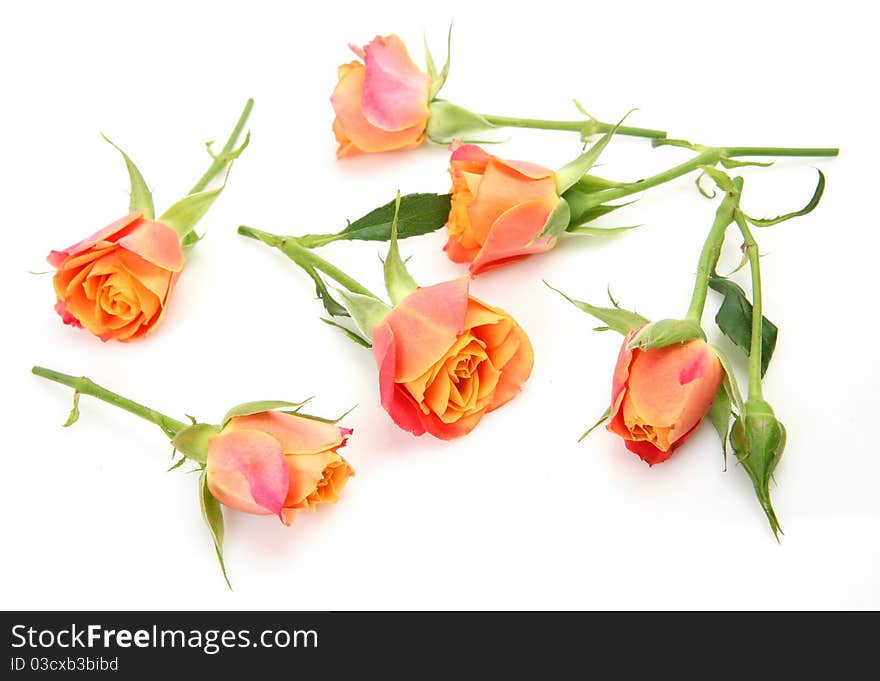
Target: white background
[[517, 514]]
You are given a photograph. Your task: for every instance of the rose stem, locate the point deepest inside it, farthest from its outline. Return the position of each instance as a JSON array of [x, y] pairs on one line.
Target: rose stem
[[573, 126], [85, 386], [712, 250], [306, 258], [750, 246], [221, 159]]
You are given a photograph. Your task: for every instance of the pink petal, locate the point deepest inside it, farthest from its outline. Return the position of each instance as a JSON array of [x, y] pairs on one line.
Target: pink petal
[[55, 258], [157, 243], [511, 232], [395, 90], [395, 399], [247, 471], [297, 434]]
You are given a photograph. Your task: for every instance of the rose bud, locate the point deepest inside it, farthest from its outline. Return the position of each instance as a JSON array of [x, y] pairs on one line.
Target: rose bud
[[117, 282], [381, 102], [660, 395], [445, 359], [277, 463], [498, 208]]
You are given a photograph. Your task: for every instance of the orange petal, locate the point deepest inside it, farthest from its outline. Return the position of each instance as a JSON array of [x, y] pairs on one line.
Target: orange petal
[[510, 235], [156, 243]]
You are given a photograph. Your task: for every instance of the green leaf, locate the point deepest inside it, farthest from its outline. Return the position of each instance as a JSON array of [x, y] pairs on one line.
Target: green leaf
[[557, 222], [573, 171], [248, 408], [192, 441], [357, 338], [73, 416], [719, 414], [734, 318], [813, 202], [419, 214], [213, 517], [184, 215], [598, 423], [730, 382], [601, 231], [450, 122], [398, 281], [616, 318], [366, 311], [666, 332], [140, 198], [438, 80]]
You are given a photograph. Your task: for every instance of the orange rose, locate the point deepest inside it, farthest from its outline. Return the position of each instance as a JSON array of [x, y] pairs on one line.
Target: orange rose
[[277, 463], [498, 207], [660, 395], [445, 359], [117, 282], [382, 103]]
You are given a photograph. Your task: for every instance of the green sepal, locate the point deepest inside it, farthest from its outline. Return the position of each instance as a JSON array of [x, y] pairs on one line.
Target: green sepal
[[811, 204], [584, 208], [334, 308], [420, 213], [593, 183], [398, 281], [720, 178], [601, 231], [140, 197], [573, 171], [248, 408], [598, 423], [666, 332], [734, 318], [184, 215], [182, 460], [438, 80], [450, 122], [356, 337], [366, 312], [192, 441], [312, 417], [557, 222], [615, 318], [757, 438], [213, 517], [719, 414], [191, 239]]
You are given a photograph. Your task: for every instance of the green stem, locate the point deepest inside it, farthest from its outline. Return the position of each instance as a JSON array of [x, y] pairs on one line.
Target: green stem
[[750, 246], [712, 250], [573, 126], [221, 159], [306, 258], [708, 157], [84, 386]]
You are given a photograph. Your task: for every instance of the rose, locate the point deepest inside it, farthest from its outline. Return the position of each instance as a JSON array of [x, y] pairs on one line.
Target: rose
[[277, 463], [445, 359], [117, 282], [498, 208], [382, 103], [660, 395]]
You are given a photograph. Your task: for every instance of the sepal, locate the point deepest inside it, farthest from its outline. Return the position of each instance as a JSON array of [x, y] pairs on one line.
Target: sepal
[[398, 281], [574, 170], [615, 318], [213, 517], [366, 312], [184, 215], [666, 332], [450, 122], [140, 197], [192, 441], [438, 80], [248, 408]]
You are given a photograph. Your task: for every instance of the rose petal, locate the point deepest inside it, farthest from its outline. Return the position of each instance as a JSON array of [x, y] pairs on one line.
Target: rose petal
[[247, 471], [297, 434], [354, 132], [395, 91], [156, 243], [114, 229], [510, 234]]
